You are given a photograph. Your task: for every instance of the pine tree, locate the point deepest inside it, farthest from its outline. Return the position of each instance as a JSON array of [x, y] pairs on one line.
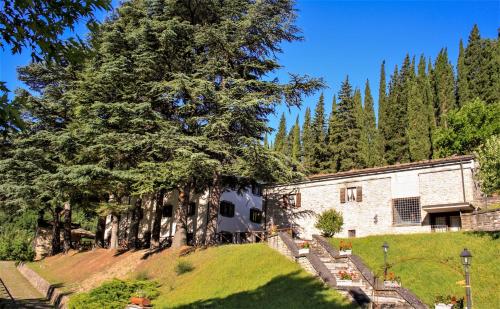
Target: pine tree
[[382, 127], [444, 86], [346, 131], [462, 84], [281, 135], [307, 140], [296, 147]]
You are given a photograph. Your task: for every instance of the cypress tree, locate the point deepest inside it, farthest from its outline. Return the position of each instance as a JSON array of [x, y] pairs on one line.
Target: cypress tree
[[318, 135], [281, 135], [462, 84], [331, 164], [418, 127], [425, 89], [382, 111], [444, 86], [296, 147], [370, 148], [266, 142], [307, 140]]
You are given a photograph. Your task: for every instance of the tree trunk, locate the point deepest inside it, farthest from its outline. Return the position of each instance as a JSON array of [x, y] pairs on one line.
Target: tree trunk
[[99, 234], [113, 244], [133, 240], [56, 232], [67, 227], [180, 236], [155, 235], [213, 210]]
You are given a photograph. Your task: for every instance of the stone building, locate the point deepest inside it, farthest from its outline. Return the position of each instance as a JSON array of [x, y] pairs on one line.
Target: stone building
[[405, 198], [240, 213]]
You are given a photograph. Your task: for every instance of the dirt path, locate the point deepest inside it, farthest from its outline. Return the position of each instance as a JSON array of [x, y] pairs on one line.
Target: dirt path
[[24, 294]]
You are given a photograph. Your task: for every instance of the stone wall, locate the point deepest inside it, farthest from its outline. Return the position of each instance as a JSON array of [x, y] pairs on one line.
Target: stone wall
[[56, 296], [373, 215], [488, 220]]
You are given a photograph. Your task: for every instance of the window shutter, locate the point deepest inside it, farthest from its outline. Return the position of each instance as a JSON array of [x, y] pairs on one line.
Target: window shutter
[[297, 200], [359, 194], [342, 195]]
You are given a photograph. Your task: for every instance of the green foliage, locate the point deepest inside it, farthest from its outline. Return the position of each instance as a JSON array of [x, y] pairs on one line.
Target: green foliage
[[183, 267], [114, 294], [307, 140], [16, 244], [488, 156], [296, 145], [443, 82], [330, 222], [468, 128], [280, 139]]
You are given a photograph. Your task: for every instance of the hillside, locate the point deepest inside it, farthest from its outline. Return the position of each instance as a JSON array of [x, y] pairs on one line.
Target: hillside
[[429, 264], [233, 276]]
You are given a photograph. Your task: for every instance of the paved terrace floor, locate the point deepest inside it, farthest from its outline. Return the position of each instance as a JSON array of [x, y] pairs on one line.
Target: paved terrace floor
[[24, 294]]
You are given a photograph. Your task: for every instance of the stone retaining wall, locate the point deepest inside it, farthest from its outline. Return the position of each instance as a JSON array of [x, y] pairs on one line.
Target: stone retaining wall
[[488, 220], [56, 296]]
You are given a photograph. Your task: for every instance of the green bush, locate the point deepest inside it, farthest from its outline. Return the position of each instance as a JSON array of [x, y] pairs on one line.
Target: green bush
[[113, 294], [330, 222], [15, 245], [183, 267]]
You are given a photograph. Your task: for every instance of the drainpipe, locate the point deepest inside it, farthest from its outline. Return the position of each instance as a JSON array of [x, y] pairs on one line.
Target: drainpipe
[[463, 184]]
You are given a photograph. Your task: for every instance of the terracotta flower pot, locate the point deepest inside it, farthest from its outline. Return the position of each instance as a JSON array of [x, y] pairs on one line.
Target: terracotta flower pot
[[140, 301]]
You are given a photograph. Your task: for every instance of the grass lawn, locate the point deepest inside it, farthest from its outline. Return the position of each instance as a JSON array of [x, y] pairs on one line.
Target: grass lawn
[[232, 276], [237, 276], [429, 264]]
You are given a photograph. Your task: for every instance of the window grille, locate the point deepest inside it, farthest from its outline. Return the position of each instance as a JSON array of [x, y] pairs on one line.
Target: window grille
[[255, 215], [226, 209], [406, 210]]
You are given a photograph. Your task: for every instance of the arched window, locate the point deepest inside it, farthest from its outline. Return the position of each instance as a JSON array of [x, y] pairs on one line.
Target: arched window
[[226, 209]]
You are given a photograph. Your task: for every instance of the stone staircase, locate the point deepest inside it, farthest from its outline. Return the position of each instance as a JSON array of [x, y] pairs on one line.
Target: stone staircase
[[324, 261]]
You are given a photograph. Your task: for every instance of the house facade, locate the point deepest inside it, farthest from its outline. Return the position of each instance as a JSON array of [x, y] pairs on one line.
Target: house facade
[[406, 198], [240, 212]]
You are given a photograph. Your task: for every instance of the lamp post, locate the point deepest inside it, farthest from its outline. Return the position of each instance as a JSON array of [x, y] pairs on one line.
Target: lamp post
[[466, 257], [385, 246]]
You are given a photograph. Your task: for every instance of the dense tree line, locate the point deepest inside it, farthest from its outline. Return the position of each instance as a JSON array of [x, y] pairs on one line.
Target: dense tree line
[[425, 110], [169, 95]]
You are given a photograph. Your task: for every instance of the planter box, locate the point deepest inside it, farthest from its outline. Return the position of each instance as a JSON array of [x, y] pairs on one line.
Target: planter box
[[345, 252], [140, 301], [443, 306], [391, 284], [343, 282], [304, 251]]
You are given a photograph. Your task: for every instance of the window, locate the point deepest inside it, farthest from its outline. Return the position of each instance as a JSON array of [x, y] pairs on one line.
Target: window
[[226, 209], [351, 194], [292, 200], [406, 210], [351, 233], [257, 189], [167, 211], [191, 209], [255, 215]]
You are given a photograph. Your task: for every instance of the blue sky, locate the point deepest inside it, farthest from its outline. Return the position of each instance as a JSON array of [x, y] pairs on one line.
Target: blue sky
[[353, 37]]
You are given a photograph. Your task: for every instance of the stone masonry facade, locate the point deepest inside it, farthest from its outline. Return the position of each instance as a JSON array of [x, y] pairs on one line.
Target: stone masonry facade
[[366, 198]]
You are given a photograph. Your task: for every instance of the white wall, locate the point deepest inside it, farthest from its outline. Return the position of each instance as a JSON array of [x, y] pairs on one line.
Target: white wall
[[243, 202]]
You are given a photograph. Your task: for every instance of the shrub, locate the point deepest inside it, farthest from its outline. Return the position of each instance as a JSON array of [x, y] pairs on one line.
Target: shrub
[[114, 294], [330, 222], [183, 267], [16, 245], [489, 165]]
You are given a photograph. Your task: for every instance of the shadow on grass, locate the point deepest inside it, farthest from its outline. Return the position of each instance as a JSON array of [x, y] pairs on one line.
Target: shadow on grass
[[493, 235], [287, 291]]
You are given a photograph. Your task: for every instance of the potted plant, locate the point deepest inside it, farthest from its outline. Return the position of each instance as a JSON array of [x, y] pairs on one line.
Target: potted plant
[[304, 248], [345, 278], [392, 281], [448, 302], [345, 248], [139, 298]]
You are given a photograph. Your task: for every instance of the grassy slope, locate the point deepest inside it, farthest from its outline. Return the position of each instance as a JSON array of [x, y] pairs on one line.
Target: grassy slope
[[233, 276], [238, 276], [429, 264]]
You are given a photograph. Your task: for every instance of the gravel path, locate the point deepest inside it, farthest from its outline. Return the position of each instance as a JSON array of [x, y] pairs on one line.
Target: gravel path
[[24, 294]]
